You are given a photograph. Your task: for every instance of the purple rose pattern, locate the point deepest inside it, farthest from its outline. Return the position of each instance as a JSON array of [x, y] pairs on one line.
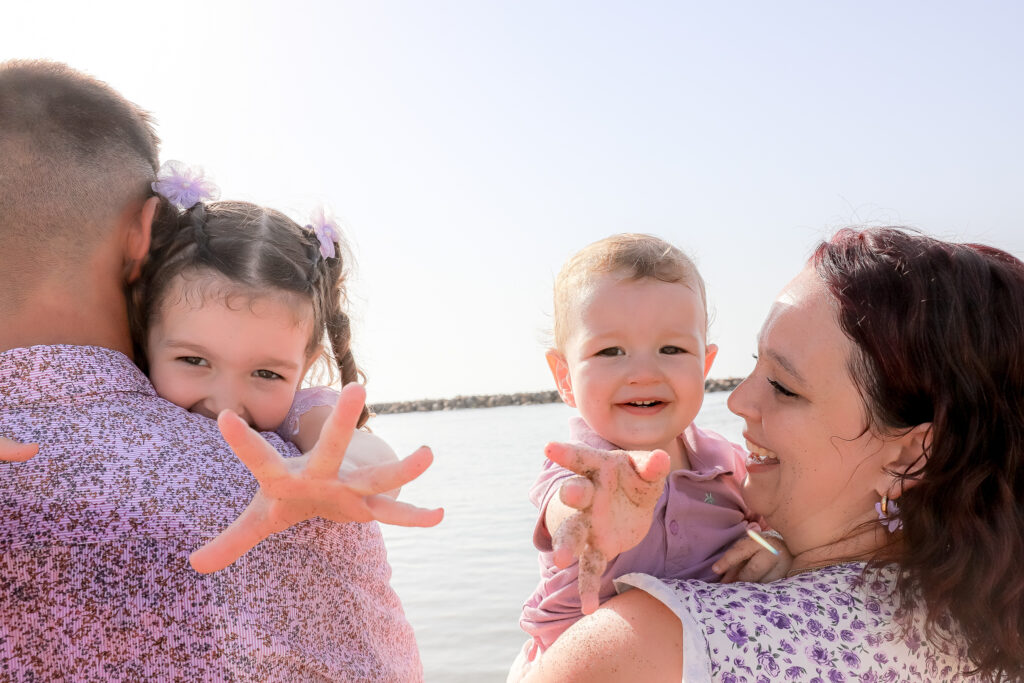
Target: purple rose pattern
[[833, 625]]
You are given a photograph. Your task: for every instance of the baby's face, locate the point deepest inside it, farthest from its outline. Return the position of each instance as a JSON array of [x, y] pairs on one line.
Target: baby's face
[[636, 360], [208, 352]]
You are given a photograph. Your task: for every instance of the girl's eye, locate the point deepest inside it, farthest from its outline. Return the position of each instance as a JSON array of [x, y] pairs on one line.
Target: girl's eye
[[267, 374], [194, 360], [672, 350], [778, 388], [611, 351]]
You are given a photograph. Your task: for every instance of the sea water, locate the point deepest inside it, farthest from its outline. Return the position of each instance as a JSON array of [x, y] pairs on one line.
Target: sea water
[[463, 583]]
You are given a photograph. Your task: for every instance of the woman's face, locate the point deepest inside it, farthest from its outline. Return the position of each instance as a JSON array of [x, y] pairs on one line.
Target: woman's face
[[816, 471]]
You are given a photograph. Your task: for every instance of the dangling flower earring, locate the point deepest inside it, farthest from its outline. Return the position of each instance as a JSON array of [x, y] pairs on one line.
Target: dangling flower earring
[[889, 514]]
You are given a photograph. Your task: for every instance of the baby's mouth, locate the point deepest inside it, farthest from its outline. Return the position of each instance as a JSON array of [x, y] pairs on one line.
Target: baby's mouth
[[761, 456], [643, 404]]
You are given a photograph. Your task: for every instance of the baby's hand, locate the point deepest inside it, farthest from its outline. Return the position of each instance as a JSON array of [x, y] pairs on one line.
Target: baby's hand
[[748, 560], [12, 451], [614, 499]]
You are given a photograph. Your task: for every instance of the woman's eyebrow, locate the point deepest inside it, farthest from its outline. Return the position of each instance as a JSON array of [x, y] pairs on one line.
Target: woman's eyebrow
[[786, 365]]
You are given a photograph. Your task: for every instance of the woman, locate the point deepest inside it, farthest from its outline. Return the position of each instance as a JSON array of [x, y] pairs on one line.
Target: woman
[[886, 415]]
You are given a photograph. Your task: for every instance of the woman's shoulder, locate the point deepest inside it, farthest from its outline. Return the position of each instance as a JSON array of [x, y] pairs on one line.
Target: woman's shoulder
[[842, 622]]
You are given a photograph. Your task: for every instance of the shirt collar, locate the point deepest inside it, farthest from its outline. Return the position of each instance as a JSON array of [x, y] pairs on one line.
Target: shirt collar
[[47, 374]]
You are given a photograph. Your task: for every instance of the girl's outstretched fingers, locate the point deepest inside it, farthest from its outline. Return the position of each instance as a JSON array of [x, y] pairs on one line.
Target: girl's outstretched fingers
[[329, 452], [13, 451]]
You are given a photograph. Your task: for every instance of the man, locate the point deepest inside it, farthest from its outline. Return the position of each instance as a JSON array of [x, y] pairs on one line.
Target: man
[[97, 527]]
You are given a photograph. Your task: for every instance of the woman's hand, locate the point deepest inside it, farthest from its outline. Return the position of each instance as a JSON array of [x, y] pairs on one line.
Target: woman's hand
[[614, 499], [12, 451], [295, 489]]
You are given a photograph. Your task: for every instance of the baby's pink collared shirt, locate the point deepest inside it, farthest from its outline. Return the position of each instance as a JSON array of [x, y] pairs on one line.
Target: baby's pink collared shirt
[[95, 533], [700, 514]]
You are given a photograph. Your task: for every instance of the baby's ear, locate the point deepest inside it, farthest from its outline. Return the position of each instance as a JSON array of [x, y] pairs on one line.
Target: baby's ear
[[710, 351], [910, 453], [560, 371]]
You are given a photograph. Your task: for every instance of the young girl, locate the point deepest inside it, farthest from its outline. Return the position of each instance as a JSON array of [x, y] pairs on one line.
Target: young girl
[[234, 305], [631, 354]]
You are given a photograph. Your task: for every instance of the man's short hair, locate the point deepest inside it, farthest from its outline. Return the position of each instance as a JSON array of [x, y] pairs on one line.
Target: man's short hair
[[74, 154]]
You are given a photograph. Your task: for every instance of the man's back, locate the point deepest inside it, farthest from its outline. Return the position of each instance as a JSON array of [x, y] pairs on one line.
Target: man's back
[[95, 533]]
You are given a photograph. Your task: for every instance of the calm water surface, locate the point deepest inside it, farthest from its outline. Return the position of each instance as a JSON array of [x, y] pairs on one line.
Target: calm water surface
[[463, 582]]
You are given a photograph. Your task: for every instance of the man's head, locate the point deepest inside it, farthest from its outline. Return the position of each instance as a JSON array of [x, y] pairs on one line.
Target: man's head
[[74, 157]]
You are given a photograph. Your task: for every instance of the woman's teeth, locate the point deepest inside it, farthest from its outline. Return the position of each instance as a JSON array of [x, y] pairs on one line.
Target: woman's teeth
[[761, 456]]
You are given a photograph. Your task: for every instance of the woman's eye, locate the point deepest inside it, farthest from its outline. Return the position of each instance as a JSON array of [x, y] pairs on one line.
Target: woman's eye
[[672, 350], [611, 351], [267, 374], [778, 388], [194, 360]]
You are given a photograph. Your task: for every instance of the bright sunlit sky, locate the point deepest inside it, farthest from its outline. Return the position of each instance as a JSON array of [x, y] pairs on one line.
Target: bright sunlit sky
[[470, 147]]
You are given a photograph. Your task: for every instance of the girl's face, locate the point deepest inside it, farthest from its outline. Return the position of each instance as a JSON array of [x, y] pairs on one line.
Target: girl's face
[[209, 351], [816, 471]]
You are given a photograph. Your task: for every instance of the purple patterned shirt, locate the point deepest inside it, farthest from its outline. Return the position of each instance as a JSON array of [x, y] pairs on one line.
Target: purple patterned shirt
[[95, 533], [833, 625]]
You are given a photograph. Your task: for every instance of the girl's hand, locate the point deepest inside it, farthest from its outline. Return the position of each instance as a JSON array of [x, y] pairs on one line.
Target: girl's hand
[[295, 489], [747, 560], [12, 451], [614, 499]]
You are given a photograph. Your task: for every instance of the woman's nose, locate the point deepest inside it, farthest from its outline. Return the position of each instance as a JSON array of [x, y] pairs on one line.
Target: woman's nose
[[741, 400]]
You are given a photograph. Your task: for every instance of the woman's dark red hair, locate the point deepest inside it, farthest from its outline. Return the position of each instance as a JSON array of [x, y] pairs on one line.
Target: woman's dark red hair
[[939, 329]]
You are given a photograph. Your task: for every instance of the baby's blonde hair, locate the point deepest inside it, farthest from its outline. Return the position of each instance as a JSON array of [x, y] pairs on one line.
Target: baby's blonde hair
[[635, 257]]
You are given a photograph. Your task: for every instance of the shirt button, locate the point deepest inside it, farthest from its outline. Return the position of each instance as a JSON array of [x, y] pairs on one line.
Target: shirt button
[[674, 527]]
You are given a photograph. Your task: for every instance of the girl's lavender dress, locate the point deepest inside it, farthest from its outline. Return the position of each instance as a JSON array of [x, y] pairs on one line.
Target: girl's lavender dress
[[840, 623]]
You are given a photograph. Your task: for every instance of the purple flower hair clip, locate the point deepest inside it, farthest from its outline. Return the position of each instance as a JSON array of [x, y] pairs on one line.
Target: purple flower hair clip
[[183, 185], [326, 230]]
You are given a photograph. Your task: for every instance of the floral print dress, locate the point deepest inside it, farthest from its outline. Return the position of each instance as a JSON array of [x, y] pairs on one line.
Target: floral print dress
[[832, 625]]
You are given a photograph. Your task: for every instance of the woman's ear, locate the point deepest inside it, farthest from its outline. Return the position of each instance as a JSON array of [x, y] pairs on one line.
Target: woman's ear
[[909, 453], [560, 371]]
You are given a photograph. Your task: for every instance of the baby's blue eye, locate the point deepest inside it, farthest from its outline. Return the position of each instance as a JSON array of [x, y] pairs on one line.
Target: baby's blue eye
[[193, 360], [672, 350], [611, 351], [267, 374]]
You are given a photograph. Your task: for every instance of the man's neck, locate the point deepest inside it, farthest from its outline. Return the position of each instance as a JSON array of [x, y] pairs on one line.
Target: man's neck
[[85, 314]]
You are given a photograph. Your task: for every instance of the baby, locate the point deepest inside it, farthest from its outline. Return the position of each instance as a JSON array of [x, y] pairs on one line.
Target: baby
[[631, 354]]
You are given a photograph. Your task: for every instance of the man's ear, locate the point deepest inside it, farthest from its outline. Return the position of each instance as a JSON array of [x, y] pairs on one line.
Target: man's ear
[[138, 236], [560, 371], [908, 454], [710, 352]]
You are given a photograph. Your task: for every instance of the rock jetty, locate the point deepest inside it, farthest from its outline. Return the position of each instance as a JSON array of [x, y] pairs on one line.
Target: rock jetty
[[496, 400]]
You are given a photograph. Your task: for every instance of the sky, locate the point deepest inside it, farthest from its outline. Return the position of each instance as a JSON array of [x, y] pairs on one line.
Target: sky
[[470, 147]]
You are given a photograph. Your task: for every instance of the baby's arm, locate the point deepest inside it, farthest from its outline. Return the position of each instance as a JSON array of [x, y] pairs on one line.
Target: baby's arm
[[364, 450], [748, 560], [603, 512], [12, 451]]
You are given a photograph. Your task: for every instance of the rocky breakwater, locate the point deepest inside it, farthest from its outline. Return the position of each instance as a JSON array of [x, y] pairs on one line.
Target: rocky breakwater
[[496, 400]]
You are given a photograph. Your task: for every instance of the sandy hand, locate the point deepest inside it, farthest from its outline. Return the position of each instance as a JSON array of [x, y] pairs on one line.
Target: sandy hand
[[295, 489], [12, 451], [614, 499]]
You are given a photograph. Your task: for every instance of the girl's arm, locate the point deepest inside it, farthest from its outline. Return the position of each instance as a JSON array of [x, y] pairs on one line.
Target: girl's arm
[[12, 451]]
